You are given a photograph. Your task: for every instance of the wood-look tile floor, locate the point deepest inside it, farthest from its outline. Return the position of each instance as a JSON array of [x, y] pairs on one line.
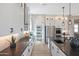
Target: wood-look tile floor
[[40, 49]]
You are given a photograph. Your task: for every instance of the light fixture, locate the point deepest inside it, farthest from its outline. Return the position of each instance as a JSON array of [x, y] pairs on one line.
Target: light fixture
[[66, 18], [63, 15], [70, 22], [47, 18], [63, 23]]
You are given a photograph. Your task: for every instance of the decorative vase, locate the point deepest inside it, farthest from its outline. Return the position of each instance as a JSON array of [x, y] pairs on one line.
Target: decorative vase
[[74, 43], [13, 45]]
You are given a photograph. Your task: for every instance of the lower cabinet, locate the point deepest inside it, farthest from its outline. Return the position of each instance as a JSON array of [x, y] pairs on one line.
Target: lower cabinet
[[30, 47], [28, 50], [25, 53], [55, 51]]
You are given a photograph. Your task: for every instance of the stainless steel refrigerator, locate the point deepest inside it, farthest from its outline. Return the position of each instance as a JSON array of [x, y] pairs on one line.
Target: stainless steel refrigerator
[[50, 32]]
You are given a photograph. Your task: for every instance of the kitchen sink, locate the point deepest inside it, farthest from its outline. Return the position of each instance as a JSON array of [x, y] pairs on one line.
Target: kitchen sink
[[58, 41]]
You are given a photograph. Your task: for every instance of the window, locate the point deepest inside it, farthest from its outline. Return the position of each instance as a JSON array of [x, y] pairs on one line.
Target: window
[[76, 28]]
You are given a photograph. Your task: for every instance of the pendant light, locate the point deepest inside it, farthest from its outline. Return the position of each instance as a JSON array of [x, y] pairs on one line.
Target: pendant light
[[70, 22], [63, 15]]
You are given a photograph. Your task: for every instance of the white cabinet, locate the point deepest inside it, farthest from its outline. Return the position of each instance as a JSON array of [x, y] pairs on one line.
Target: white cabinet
[[28, 50], [25, 52], [55, 51], [30, 47]]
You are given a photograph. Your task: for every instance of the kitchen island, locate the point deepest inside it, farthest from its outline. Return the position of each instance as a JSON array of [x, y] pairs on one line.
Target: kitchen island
[[63, 49], [21, 45]]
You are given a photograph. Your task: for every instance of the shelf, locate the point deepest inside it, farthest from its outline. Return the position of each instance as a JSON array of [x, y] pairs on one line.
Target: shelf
[[39, 32]]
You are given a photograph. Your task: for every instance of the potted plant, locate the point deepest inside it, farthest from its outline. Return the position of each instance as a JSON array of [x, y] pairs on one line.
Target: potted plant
[[12, 42]]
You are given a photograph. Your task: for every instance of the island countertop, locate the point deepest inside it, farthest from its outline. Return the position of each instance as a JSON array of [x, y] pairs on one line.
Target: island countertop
[[20, 47], [66, 48]]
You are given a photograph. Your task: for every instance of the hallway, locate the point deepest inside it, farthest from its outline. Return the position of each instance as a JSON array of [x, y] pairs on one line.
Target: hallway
[[40, 49]]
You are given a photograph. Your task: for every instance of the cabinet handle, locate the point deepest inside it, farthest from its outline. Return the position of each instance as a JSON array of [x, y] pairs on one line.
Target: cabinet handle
[[57, 51], [28, 50]]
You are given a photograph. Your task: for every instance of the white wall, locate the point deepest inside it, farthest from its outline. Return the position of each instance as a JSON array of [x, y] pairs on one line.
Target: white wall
[[11, 16]]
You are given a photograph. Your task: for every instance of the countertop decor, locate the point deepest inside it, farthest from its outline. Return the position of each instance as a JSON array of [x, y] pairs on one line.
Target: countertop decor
[[74, 43], [13, 43]]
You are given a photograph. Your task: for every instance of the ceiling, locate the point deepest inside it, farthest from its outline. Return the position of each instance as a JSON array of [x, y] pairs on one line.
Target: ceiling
[[53, 8]]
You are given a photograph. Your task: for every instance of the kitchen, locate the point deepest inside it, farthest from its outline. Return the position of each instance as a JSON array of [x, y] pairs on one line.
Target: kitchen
[[58, 23], [53, 24]]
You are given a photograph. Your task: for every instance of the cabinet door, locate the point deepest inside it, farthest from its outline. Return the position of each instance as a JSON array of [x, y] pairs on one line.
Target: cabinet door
[[52, 48], [29, 50], [28, 54], [25, 52], [55, 51], [30, 47], [61, 53], [58, 52]]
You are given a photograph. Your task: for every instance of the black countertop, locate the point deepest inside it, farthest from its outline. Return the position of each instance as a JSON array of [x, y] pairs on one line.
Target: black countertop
[[66, 48], [20, 47]]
